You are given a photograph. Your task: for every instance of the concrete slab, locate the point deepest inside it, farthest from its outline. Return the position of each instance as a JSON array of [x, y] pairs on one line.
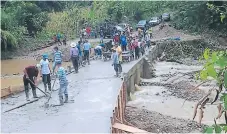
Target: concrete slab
[[94, 91]]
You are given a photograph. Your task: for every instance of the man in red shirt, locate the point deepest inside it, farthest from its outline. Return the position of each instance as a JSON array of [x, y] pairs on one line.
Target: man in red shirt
[[135, 46], [116, 38], [30, 77], [88, 31]]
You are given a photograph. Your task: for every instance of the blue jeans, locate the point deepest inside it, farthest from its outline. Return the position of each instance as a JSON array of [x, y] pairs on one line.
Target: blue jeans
[[63, 89], [54, 65]]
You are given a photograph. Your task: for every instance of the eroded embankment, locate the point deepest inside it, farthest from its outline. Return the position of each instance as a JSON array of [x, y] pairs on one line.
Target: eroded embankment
[[165, 102]]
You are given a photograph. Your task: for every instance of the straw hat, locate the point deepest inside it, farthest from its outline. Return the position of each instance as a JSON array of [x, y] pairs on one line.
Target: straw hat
[[38, 65], [72, 44]]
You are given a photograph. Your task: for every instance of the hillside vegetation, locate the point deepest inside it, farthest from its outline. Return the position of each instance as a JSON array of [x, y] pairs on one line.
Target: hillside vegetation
[[26, 24]]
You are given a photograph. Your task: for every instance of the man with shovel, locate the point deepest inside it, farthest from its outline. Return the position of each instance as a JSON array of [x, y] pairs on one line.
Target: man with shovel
[[30, 77]]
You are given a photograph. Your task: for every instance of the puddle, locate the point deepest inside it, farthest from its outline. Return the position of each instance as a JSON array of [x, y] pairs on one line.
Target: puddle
[[12, 71]]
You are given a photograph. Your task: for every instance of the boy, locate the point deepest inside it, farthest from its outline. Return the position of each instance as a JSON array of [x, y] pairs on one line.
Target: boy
[[57, 58], [45, 72], [63, 82], [115, 61]]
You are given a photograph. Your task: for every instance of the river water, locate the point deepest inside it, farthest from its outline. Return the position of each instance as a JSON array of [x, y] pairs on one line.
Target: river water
[[12, 71]]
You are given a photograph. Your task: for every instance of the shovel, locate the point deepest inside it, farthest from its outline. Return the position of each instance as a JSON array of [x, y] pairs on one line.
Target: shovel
[[38, 88], [46, 105]]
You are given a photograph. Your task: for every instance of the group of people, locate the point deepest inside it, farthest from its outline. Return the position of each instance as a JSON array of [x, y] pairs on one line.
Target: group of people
[[77, 52], [80, 55], [57, 38]]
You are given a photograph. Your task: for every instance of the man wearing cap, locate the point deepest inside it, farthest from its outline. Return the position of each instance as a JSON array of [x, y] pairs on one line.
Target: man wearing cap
[[30, 77], [45, 72], [74, 54]]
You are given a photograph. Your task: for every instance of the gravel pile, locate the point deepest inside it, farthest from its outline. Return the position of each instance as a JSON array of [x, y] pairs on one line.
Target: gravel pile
[[157, 123]]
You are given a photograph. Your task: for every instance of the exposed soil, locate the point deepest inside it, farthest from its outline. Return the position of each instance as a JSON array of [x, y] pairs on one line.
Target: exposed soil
[[182, 89], [158, 123]]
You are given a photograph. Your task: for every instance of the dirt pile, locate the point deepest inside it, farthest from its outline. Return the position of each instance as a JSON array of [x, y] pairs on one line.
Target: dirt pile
[[181, 89], [158, 123]]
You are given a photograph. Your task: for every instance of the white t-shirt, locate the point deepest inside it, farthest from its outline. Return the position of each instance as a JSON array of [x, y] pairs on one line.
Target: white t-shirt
[[98, 47], [45, 66], [139, 44]]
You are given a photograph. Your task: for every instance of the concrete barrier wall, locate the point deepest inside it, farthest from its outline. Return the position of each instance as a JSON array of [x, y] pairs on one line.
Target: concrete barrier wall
[[143, 68], [140, 70]]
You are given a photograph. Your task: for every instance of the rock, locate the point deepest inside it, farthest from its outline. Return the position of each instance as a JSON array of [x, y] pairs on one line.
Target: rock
[[157, 94]]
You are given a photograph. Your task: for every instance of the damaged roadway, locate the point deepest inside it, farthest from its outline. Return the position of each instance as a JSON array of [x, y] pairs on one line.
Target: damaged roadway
[[94, 91]]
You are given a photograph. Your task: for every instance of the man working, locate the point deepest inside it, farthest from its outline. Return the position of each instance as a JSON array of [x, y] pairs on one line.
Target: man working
[[30, 77], [87, 51], [98, 50], [74, 54], [57, 58]]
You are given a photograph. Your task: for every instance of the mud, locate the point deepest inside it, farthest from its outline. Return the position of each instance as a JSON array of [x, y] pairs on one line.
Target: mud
[[158, 123], [170, 94]]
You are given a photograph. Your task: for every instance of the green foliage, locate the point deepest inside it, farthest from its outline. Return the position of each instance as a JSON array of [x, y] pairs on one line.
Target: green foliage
[[218, 128], [45, 18], [8, 41], [216, 67]]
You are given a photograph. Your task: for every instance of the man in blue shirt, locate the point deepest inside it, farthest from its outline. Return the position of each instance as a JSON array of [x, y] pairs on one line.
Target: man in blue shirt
[[63, 82], [80, 53], [123, 42], [59, 38], [57, 58], [87, 51]]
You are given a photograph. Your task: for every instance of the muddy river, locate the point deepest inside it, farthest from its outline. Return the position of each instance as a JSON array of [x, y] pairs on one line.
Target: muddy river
[[12, 71]]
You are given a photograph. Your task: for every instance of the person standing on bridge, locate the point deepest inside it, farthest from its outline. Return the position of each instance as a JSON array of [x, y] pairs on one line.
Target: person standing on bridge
[[45, 72], [119, 51], [123, 42], [87, 51], [115, 62], [57, 58], [63, 82], [74, 53], [79, 46], [30, 77]]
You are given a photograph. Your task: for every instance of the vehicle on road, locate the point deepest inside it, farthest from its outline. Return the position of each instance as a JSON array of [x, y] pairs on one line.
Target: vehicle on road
[[123, 25], [154, 21], [119, 28], [107, 27], [166, 17], [142, 24]]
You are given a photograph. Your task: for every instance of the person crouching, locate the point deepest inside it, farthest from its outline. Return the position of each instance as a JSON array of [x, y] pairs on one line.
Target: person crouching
[[115, 61], [63, 82]]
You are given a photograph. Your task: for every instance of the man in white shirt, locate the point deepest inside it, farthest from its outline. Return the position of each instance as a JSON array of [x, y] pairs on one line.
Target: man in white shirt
[[45, 72], [98, 50]]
